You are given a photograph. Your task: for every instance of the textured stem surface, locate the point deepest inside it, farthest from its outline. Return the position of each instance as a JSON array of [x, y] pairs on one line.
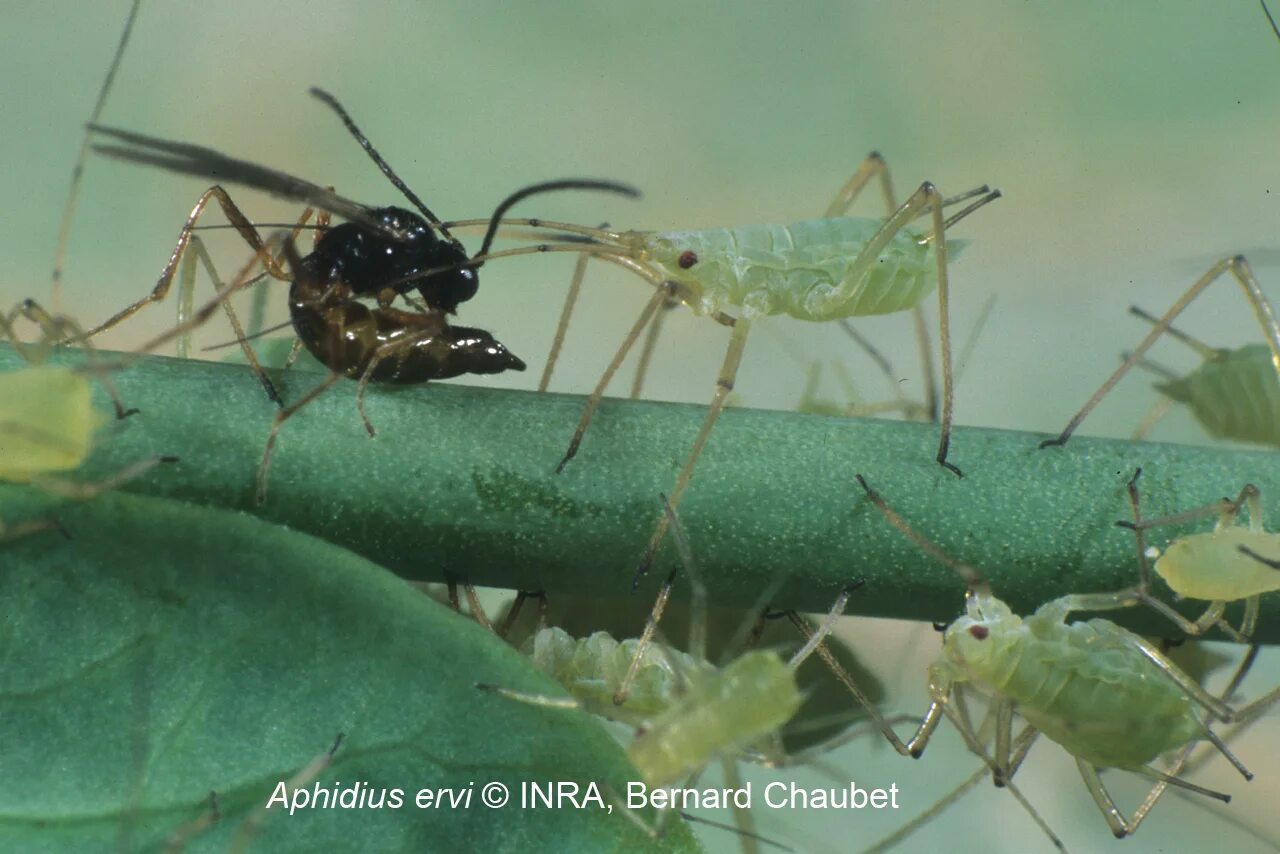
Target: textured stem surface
[[460, 480]]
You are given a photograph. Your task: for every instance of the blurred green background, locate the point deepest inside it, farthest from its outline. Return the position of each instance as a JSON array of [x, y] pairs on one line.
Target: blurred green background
[[1135, 143]]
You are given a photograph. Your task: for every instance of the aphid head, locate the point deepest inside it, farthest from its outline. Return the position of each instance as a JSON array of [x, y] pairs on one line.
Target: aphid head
[[973, 639]]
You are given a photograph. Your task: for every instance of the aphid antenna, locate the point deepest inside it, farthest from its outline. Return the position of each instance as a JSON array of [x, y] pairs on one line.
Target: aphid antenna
[[385, 167], [602, 234], [978, 585], [549, 187], [77, 171]]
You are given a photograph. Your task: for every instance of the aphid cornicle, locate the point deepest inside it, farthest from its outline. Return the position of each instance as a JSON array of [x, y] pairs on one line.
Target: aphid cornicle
[[1107, 696], [815, 270]]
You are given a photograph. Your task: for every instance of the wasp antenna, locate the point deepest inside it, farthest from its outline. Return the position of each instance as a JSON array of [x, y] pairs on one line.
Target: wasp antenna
[[355, 131], [549, 187]]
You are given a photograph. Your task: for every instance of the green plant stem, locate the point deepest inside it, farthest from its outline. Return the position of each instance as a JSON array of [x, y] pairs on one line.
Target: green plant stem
[[460, 481]]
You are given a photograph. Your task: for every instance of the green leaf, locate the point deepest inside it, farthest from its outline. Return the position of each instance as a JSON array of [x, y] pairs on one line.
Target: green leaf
[[165, 651]]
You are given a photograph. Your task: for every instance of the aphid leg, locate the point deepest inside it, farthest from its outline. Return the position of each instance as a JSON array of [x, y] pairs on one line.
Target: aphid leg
[[926, 727], [935, 809], [566, 313], [77, 171], [513, 612], [698, 591], [650, 346], [1162, 407], [724, 384], [78, 491], [872, 167], [251, 826], [473, 602], [1155, 414], [1000, 773], [562, 327], [178, 840], [1175, 775], [875, 167], [532, 699], [1239, 268], [597, 393], [926, 200], [743, 821], [1116, 820], [646, 637], [54, 328]]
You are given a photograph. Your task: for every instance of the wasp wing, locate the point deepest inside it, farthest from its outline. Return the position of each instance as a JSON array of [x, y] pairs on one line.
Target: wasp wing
[[189, 159]]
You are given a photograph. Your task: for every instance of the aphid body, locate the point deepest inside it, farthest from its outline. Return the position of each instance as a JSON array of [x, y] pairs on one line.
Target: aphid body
[[1086, 685], [47, 421], [686, 712], [1210, 566], [808, 270]]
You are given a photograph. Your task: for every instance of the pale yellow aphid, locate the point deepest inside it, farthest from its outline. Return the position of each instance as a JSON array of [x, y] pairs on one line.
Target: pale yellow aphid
[[47, 422], [47, 418], [1211, 566]]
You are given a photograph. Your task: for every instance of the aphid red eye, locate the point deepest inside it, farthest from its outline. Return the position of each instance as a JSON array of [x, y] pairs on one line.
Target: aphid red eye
[[687, 259], [979, 632]]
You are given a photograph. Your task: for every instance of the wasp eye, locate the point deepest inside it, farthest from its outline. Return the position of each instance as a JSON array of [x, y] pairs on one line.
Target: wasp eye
[[979, 632], [687, 259]]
